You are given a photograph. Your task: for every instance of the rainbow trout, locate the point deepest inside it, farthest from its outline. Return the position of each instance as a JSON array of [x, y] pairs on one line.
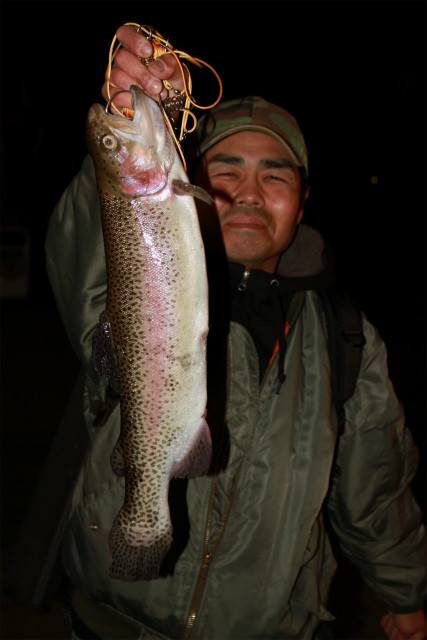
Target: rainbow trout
[[151, 338]]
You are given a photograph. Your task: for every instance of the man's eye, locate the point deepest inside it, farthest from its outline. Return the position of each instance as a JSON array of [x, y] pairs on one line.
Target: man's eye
[[276, 177], [223, 174]]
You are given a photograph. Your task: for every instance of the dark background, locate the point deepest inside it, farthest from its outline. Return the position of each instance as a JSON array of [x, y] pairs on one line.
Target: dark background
[[353, 73]]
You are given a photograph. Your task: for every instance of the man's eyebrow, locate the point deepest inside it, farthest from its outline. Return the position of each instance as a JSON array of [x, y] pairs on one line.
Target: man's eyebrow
[[228, 159], [276, 163], [265, 163]]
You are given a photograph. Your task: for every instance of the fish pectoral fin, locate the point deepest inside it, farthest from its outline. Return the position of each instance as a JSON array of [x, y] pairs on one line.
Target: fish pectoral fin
[[103, 353], [186, 189], [196, 461], [117, 461]]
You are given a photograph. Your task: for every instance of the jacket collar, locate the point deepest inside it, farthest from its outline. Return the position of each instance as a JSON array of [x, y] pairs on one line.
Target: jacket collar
[[307, 263]]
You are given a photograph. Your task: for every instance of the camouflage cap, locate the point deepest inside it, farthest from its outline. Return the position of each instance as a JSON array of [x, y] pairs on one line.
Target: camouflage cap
[[255, 114]]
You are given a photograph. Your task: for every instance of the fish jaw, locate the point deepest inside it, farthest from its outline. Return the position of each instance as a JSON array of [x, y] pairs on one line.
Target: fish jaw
[[142, 183], [133, 156]]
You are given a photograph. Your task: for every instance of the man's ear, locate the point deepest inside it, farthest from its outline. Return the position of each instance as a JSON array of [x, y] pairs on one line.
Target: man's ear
[[302, 205]]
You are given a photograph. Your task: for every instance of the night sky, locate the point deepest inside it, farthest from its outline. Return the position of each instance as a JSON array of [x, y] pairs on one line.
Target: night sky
[[353, 74]]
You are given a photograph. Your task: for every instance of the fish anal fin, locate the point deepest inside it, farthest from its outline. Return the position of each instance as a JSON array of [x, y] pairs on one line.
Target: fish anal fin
[[196, 461], [132, 562], [182, 188]]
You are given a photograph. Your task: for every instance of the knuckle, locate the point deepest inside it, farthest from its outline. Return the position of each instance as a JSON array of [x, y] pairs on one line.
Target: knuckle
[[120, 79], [170, 62], [121, 58]]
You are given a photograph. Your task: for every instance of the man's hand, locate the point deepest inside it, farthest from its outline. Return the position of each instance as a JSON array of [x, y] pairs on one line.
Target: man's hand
[[405, 626], [128, 68]]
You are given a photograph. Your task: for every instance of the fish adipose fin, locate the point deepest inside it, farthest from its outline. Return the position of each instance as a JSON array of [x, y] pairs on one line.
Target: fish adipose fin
[[130, 563], [196, 461], [103, 353], [186, 189]]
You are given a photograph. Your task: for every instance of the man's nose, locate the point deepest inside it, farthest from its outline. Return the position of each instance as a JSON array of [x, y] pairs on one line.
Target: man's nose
[[249, 192]]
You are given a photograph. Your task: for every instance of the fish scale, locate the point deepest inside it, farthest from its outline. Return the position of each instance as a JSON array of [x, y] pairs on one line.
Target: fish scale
[[151, 339]]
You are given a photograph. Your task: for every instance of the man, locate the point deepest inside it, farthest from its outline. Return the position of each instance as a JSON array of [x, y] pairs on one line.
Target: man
[[251, 558]]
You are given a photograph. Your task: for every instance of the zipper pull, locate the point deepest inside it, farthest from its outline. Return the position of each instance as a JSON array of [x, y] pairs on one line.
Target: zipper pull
[[206, 561], [244, 281]]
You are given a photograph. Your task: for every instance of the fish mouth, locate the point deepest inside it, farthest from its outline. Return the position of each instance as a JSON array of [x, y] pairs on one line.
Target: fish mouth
[[141, 172]]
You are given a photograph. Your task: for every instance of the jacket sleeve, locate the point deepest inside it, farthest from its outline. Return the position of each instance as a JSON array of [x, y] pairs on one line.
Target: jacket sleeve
[[371, 506], [75, 260]]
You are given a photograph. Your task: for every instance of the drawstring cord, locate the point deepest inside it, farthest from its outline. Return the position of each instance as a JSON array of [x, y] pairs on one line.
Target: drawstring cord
[[281, 337]]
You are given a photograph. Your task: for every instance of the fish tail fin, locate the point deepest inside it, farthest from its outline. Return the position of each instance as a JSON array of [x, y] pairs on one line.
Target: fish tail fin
[[197, 459], [131, 562]]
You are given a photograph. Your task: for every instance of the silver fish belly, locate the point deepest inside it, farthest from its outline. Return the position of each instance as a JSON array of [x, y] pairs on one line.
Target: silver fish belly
[[151, 340]]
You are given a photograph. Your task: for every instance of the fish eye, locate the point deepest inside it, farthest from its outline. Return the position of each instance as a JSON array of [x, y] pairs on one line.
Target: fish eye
[[109, 142]]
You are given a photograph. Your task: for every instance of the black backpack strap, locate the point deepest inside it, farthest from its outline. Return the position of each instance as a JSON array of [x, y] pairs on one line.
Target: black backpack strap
[[345, 345]]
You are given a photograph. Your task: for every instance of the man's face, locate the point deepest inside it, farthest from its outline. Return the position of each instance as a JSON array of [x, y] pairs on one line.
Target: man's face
[[256, 187]]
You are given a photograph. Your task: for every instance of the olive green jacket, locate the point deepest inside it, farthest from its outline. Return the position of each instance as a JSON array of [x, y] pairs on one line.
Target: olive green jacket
[[266, 568]]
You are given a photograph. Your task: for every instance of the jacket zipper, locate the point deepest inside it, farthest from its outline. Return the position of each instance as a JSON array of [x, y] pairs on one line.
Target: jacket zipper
[[244, 281], [208, 554]]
